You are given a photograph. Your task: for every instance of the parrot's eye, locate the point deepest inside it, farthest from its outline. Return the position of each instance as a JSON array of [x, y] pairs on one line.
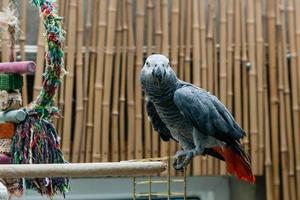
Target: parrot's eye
[[147, 63]]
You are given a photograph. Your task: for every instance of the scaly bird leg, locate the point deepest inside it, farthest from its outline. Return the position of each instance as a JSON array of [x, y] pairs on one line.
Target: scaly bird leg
[[183, 158]]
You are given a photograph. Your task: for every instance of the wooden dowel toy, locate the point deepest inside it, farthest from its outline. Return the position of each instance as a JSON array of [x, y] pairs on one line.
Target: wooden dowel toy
[[15, 116], [23, 67], [4, 159]]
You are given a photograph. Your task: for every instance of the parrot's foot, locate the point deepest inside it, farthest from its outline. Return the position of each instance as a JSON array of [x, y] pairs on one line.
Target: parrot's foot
[[182, 159]]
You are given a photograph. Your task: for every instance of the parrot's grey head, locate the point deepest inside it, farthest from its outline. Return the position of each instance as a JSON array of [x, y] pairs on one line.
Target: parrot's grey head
[[157, 71]]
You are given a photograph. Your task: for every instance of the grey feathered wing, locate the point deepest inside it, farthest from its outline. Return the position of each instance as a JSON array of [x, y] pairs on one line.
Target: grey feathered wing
[[207, 114], [160, 127]]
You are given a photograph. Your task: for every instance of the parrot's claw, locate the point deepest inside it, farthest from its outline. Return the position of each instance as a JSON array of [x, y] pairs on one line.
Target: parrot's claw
[[182, 159]]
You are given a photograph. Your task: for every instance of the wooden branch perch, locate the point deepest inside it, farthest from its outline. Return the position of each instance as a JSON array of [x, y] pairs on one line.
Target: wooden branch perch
[[82, 169]]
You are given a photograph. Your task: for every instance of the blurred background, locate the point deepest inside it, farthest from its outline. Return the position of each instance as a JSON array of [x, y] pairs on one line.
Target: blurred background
[[245, 52]]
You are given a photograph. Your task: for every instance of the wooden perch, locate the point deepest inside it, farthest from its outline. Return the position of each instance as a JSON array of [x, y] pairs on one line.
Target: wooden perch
[[82, 169], [15, 116], [23, 67]]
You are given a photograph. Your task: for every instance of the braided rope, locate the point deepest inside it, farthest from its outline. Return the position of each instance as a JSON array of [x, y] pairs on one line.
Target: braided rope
[[35, 139]]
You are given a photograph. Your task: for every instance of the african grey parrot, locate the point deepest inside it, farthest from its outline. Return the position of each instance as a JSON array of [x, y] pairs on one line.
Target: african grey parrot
[[193, 117]]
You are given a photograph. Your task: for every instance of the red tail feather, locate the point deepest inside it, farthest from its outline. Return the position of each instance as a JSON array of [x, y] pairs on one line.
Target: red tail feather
[[236, 164]]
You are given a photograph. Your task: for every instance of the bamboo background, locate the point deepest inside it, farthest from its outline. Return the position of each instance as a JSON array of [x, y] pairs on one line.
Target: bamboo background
[[246, 52]]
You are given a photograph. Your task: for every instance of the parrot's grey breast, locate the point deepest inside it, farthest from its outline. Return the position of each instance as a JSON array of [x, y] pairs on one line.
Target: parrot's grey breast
[[169, 113]]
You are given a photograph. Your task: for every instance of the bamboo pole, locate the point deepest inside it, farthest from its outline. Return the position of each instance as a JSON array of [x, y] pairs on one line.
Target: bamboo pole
[[122, 99], [210, 64], [295, 87], [245, 81], [90, 125], [79, 84], [149, 35], [174, 34], [182, 24], [99, 96], [140, 18], [130, 85], [111, 29], [61, 7], [223, 67], [223, 60], [297, 35], [273, 96], [260, 76], [22, 40], [203, 44], [88, 34], [196, 44], [288, 110], [188, 38], [283, 124], [158, 26], [229, 54], [165, 27], [268, 158], [237, 63], [116, 83], [66, 142], [61, 92], [252, 87], [40, 59]]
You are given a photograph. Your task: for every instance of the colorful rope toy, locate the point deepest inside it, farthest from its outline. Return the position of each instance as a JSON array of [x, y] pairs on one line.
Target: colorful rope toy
[[35, 139]]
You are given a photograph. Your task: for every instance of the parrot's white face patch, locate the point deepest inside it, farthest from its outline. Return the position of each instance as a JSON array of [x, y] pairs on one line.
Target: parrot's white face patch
[[157, 70]]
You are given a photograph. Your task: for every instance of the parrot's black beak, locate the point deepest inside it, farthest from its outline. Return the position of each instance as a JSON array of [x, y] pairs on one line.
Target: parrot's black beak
[[158, 73]]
